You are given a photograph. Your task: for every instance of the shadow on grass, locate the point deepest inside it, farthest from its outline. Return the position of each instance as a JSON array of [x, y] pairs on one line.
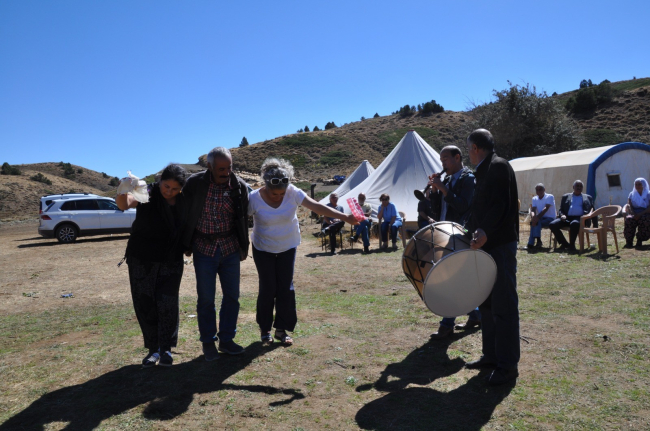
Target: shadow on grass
[[167, 393], [52, 242], [468, 407]]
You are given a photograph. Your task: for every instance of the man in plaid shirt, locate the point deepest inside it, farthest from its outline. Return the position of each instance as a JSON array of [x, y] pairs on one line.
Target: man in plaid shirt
[[217, 235]]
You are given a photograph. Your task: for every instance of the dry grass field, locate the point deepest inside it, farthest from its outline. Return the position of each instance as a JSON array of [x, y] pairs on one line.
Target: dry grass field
[[362, 357]]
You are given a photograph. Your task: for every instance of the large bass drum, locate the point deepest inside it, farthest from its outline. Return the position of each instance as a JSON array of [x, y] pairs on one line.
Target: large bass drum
[[450, 277]]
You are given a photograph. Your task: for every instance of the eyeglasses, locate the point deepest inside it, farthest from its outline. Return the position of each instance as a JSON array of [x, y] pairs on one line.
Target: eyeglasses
[[276, 181], [384, 199]]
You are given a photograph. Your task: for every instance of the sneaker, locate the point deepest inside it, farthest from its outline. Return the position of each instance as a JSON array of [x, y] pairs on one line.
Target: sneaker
[[150, 360], [210, 351], [230, 347], [166, 359], [354, 238]]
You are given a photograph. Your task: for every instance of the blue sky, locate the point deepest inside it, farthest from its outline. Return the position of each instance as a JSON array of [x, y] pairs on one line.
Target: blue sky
[[119, 85]]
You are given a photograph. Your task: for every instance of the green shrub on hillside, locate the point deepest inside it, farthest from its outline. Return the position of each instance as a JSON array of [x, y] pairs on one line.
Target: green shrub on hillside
[[68, 170], [600, 138], [330, 125], [306, 129], [590, 96], [316, 129], [104, 174], [41, 179], [376, 115], [526, 123], [297, 160], [308, 140], [7, 169], [244, 142], [390, 139], [431, 108], [114, 182]]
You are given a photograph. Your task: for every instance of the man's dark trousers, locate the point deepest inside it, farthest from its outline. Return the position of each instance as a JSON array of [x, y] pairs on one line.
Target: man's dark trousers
[[500, 311], [574, 228]]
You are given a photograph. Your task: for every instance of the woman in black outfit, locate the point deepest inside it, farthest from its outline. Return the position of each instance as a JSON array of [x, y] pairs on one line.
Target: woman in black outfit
[[155, 258]]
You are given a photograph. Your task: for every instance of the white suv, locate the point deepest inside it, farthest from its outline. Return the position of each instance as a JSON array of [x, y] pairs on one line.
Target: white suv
[[68, 219], [47, 200]]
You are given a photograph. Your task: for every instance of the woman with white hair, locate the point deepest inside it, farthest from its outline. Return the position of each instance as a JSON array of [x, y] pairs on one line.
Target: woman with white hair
[[637, 219], [276, 234]]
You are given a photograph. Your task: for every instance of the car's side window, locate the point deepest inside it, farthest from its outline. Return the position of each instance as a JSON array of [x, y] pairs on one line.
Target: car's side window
[[87, 205], [107, 205], [69, 206]]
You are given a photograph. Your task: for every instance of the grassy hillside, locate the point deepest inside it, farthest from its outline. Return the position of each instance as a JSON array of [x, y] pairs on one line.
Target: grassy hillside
[[324, 154], [19, 195]]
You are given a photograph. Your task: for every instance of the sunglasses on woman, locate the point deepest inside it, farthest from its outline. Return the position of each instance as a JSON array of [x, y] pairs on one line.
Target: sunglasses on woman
[[276, 181]]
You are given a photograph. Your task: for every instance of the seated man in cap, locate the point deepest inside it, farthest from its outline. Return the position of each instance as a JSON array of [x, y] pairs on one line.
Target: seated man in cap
[[542, 213], [332, 226], [573, 206]]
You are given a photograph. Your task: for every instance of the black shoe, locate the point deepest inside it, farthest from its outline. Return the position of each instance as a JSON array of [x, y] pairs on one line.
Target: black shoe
[[230, 347], [500, 376], [481, 362], [366, 249], [210, 351], [638, 244], [150, 360], [333, 252], [166, 359], [539, 243], [354, 238], [629, 244]]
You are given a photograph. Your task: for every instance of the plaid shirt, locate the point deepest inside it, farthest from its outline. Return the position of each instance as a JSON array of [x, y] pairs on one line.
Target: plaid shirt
[[218, 216]]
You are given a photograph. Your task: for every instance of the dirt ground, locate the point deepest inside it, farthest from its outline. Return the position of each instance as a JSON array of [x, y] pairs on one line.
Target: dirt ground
[[398, 372]]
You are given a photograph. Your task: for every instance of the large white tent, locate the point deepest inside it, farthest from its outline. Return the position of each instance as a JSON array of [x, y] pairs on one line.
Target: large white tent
[[404, 170], [354, 179], [607, 172]]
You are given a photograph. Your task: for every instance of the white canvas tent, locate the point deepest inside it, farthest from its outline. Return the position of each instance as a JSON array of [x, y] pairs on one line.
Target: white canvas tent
[[405, 169], [607, 172], [357, 177]]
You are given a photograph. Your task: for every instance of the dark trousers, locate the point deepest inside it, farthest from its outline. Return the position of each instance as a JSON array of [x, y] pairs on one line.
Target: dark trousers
[[154, 289], [500, 311], [574, 227], [276, 290], [334, 229]]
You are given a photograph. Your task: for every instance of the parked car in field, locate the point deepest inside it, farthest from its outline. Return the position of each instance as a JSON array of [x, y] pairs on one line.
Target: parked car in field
[[68, 219]]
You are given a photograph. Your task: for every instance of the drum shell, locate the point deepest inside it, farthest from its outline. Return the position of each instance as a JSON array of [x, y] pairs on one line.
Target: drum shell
[[428, 246]]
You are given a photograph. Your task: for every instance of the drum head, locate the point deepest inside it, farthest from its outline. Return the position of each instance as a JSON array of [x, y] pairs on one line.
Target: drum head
[[459, 283]]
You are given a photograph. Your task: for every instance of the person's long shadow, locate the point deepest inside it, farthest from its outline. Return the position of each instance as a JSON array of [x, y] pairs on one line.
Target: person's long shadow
[[51, 243], [168, 393], [468, 407]]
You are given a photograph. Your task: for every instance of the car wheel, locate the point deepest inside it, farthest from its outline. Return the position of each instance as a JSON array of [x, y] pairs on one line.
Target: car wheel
[[66, 233]]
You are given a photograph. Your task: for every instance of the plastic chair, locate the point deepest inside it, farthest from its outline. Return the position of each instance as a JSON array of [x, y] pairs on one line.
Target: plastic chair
[[609, 214]]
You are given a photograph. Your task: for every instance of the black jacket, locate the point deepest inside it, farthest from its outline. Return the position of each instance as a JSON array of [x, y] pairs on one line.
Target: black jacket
[[495, 207], [458, 199], [158, 229], [196, 191], [587, 207]]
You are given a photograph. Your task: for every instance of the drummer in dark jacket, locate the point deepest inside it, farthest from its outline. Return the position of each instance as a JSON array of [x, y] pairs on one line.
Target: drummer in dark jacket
[[494, 224], [217, 235], [450, 201], [154, 255]]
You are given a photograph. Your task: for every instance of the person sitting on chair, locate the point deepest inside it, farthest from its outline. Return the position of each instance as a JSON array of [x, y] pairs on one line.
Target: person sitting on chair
[[392, 221], [637, 218], [542, 213], [452, 198], [332, 226], [363, 228], [573, 206]]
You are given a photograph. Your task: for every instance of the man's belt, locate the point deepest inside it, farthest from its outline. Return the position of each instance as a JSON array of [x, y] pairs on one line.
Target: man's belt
[[213, 236]]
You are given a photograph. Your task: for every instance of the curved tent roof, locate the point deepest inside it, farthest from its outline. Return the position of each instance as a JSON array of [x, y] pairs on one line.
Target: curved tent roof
[[600, 169], [404, 170], [357, 177]]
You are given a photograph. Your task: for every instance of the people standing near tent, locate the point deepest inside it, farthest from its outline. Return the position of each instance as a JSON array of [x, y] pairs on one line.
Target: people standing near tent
[[154, 255], [637, 210], [451, 198], [542, 213], [217, 235], [276, 234], [363, 228], [392, 221], [332, 226], [573, 206], [494, 223]]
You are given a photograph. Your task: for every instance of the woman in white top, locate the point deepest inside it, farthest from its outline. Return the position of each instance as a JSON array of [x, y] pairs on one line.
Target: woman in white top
[[276, 234], [637, 220]]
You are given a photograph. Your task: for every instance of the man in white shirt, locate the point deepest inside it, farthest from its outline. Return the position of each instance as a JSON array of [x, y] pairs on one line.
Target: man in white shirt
[[573, 206], [542, 213]]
